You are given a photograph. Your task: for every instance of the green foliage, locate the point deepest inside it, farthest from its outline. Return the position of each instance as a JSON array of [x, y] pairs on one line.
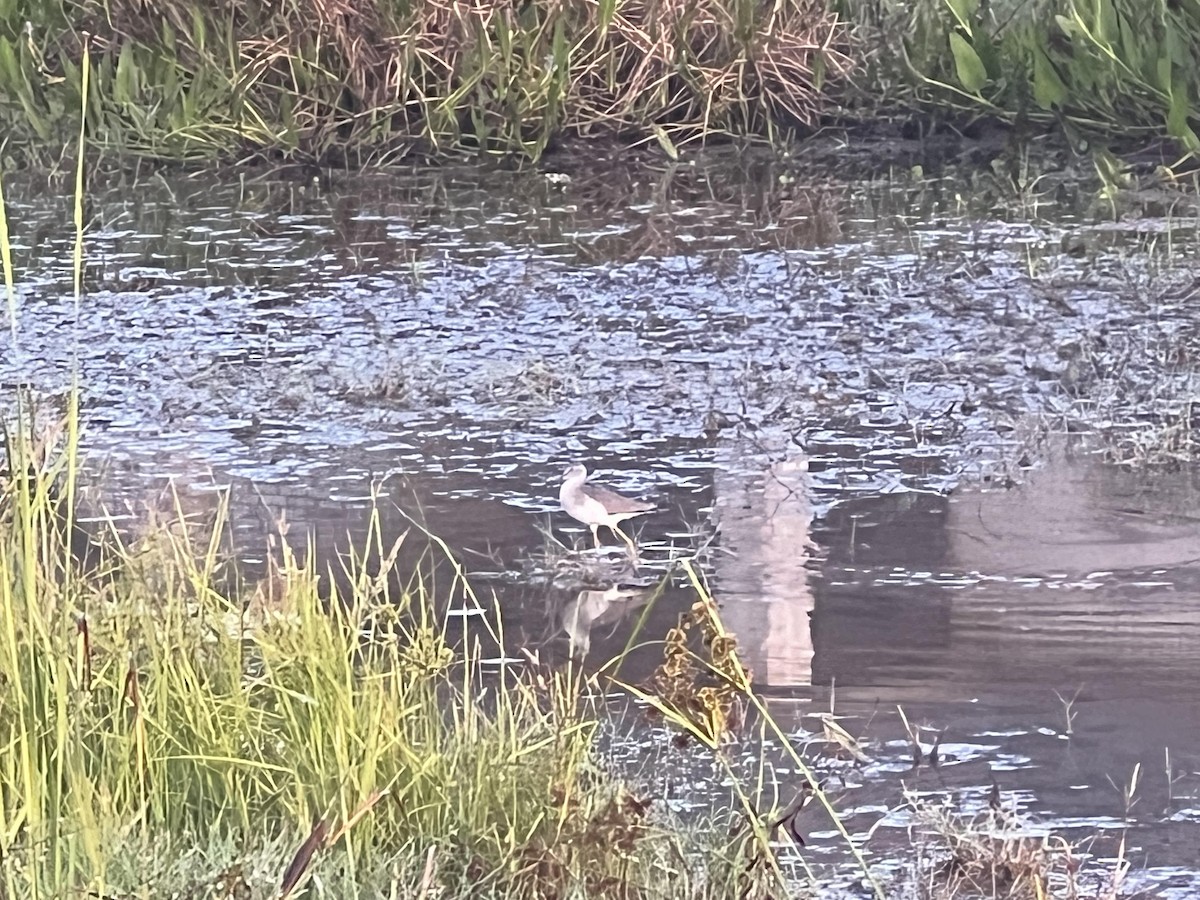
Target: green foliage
[[1120, 65], [367, 81], [144, 708], [971, 72]]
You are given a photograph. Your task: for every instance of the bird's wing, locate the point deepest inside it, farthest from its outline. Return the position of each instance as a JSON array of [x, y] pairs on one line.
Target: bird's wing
[[617, 503]]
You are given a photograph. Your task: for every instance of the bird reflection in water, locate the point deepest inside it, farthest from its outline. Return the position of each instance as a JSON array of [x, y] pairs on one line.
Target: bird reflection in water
[[599, 607]]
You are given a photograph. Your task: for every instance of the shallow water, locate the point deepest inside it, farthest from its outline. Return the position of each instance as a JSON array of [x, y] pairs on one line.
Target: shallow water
[[855, 396]]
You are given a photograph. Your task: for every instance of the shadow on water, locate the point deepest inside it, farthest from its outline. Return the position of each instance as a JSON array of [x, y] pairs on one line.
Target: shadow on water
[[828, 386]]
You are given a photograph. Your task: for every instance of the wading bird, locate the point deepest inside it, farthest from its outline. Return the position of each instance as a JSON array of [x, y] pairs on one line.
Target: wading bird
[[595, 506]]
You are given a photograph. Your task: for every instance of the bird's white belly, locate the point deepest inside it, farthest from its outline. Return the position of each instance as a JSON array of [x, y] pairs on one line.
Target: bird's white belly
[[589, 510]]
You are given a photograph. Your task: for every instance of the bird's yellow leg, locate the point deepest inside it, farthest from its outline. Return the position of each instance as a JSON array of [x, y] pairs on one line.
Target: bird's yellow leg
[[633, 553]]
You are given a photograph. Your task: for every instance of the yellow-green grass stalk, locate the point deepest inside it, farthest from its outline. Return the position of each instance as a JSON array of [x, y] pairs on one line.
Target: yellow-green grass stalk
[[703, 718], [152, 710]]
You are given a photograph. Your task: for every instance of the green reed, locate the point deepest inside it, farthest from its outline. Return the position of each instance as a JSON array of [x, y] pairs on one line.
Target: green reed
[[1094, 67], [366, 82]]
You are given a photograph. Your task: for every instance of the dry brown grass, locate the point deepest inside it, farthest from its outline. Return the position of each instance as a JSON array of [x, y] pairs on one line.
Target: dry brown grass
[[1000, 854], [370, 80]]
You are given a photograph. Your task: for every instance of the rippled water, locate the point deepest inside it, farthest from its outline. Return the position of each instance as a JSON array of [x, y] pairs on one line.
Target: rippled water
[[854, 394]]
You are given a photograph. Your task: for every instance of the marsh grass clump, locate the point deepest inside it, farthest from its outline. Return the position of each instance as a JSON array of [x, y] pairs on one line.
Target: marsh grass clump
[[1135, 389], [1123, 67], [533, 383], [999, 854], [702, 691], [364, 82], [152, 716]]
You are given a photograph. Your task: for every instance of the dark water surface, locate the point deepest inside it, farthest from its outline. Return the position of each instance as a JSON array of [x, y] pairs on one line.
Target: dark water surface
[[855, 396]]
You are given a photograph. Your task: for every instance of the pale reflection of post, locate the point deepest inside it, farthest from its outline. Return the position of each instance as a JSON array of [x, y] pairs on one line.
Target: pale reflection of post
[[761, 580]]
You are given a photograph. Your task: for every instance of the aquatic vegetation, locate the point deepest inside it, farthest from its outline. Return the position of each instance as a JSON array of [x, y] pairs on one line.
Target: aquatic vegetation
[[1123, 66], [367, 82], [174, 731], [1000, 853], [703, 692]]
